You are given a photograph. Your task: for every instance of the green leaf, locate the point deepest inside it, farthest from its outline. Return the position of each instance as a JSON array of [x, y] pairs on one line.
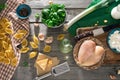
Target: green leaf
[[117, 0], [61, 6], [46, 12], [50, 24], [54, 7], [53, 15], [2, 6], [37, 15]]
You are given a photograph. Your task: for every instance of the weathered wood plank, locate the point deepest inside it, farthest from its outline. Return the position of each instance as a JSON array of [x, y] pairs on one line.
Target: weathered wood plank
[[68, 3], [77, 73], [70, 14]]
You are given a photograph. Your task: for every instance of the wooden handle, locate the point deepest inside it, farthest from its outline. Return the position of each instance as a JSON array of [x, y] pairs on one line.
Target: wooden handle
[[82, 35]]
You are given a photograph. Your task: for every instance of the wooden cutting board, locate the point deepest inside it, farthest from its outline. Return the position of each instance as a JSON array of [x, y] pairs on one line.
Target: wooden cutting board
[[110, 57]]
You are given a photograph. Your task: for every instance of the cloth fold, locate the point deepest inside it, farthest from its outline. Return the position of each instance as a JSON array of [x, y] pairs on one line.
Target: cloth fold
[[7, 71], [97, 17]]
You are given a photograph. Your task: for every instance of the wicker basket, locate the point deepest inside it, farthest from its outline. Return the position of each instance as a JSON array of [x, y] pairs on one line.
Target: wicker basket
[[76, 50]]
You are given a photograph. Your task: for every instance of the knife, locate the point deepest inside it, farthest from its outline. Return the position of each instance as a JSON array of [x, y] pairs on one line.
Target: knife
[[96, 32]]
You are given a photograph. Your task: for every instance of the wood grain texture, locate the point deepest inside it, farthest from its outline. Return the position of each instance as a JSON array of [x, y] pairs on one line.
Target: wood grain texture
[[70, 14], [76, 73], [68, 3], [73, 8]]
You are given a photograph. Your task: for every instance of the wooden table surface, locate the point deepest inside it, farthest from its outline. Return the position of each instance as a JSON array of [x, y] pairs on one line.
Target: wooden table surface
[[73, 8]]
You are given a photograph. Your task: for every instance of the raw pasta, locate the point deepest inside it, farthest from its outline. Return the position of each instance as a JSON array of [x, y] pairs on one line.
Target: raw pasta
[[6, 49]]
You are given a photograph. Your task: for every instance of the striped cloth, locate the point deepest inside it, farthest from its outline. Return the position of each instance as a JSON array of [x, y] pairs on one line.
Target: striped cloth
[[7, 71]]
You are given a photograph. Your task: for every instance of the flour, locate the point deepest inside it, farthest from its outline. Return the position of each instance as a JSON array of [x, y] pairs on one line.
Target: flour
[[114, 41]]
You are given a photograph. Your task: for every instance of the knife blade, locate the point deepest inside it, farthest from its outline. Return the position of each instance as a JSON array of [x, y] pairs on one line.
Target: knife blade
[[96, 32]]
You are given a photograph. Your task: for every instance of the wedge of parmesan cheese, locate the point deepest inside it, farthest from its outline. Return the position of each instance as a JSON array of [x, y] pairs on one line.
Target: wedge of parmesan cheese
[[42, 63]]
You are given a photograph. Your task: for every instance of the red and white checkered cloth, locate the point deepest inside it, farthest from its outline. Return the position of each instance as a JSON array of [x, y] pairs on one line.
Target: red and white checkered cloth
[[7, 71]]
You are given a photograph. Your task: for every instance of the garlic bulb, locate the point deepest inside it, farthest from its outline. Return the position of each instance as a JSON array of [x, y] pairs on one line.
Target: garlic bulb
[[115, 13]]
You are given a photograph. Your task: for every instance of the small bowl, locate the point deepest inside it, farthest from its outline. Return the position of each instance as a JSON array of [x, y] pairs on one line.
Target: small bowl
[[56, 26], [23, 11], [108, 39], [76, 50]]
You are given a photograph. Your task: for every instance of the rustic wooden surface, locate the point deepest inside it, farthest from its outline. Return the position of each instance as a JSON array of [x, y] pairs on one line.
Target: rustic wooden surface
[[111, 57], [73, 8]]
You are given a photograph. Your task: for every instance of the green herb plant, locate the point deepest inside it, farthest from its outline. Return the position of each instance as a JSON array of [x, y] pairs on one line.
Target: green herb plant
[[2, 6], [37, 17], [53, 15]]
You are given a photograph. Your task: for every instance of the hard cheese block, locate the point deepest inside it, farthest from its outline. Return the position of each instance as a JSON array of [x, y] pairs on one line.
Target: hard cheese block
[[45, 63], [101, 16]]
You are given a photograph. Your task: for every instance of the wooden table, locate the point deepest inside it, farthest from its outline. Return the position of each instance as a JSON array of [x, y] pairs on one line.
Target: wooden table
[[73, 8]]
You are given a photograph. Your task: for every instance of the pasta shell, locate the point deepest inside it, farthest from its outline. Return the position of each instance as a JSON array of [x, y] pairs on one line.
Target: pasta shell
[[33, 45], [24, 50], [9, 54], [6, 60], [1, 48], [35, 40], [22, 31], [32, 55], [4, 20], [2, 35], [6, 49], [1, 59], [9, 31], [10, 47], [18, 35], [7, 24], [24, 43], [2, 54], [60, 37], [1, 27], [47, 48], [14, 61], [5, 44]]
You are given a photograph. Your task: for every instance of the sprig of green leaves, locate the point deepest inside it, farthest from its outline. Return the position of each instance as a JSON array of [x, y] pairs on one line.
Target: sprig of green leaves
[[2, 6]]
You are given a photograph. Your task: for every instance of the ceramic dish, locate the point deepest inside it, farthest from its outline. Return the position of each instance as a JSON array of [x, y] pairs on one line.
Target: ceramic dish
[[76, 50], [110, 43], [52, 17], [23, 11]]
